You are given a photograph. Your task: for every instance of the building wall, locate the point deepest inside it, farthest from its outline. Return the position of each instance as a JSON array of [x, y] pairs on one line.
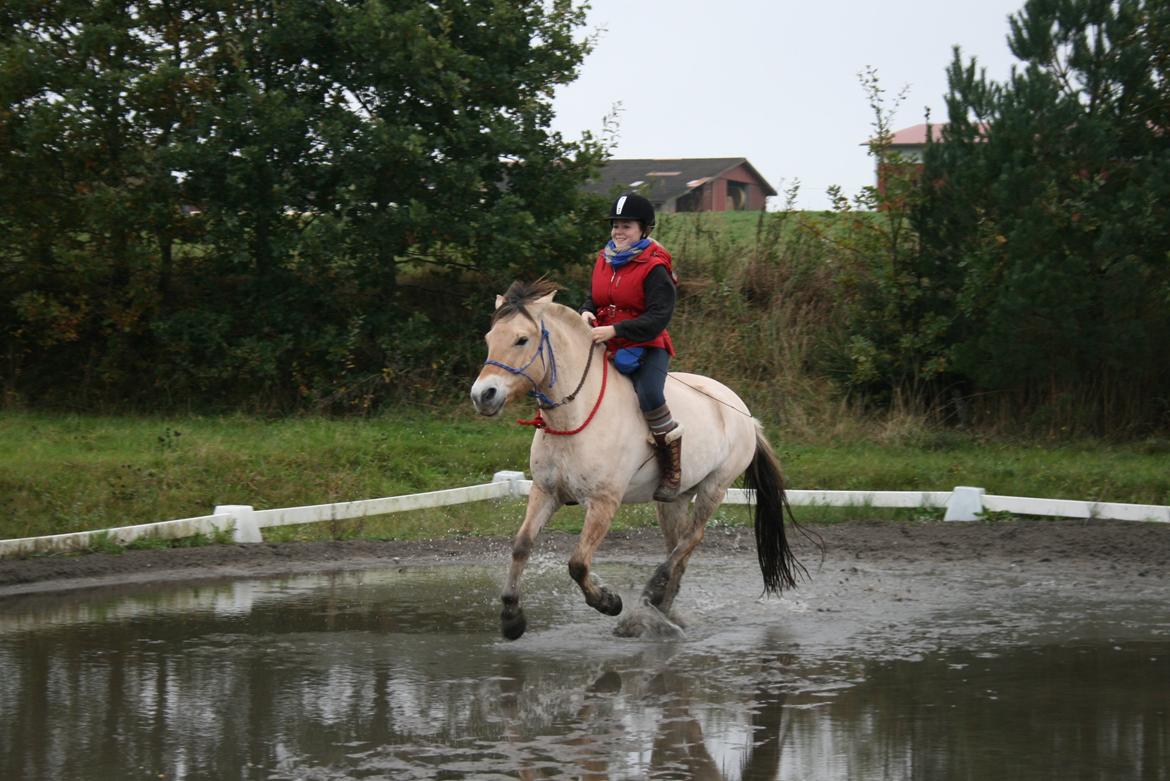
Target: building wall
[[714, 195], [756, 199]]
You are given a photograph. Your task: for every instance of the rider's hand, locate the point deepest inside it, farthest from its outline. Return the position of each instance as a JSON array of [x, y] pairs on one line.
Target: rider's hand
[[603, 333], [589, 318]]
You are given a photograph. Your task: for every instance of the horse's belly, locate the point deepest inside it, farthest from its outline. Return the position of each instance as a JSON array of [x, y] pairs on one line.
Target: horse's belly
[[641, 488]]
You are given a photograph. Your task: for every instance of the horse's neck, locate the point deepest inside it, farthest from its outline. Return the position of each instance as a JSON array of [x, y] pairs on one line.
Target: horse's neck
[[572, 344]]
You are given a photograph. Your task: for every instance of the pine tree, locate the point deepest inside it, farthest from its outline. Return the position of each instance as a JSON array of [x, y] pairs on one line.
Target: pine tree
[[1047, 212]]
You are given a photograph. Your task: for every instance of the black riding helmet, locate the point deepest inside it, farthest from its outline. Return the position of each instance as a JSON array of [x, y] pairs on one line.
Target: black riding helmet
[[631, 206]]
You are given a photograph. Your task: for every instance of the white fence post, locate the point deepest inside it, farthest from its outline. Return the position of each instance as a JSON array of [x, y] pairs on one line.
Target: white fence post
[[965, 504], [246, 528], [511, 478]]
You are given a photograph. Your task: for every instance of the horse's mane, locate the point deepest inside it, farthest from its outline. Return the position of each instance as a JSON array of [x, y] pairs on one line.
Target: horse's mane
[[520, 294]]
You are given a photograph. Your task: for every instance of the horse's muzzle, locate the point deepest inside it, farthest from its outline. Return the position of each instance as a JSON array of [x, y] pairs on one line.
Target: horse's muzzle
[[488, 397]]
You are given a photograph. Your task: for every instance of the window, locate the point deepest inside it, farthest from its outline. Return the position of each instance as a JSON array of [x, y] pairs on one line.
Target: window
[[737, 196]]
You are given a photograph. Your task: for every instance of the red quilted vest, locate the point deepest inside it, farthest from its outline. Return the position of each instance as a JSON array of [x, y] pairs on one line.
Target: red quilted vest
[[619, 294]]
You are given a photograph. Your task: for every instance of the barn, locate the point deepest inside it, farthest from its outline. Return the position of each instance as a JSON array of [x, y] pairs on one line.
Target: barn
[[687, 184]]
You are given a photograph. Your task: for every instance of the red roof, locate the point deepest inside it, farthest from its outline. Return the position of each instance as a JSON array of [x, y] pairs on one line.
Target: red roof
[[915, 135]]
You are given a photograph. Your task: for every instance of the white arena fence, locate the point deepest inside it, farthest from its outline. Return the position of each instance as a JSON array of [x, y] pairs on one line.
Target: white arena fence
[[963, 503]]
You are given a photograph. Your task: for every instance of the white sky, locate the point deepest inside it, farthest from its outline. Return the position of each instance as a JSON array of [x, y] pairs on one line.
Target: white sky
[[774, 81]]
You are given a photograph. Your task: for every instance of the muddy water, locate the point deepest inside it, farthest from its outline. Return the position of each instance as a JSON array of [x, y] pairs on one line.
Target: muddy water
[[882, 673]]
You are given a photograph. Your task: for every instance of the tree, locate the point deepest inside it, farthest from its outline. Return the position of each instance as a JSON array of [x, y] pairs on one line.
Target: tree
[[1047, 218], [203, 195], [895, 331]]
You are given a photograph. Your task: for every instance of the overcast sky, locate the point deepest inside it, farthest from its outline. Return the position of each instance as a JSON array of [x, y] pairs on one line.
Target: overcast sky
[[774, 81]]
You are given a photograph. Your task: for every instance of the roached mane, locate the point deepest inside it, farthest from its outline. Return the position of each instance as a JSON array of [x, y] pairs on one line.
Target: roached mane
[[520, 294]]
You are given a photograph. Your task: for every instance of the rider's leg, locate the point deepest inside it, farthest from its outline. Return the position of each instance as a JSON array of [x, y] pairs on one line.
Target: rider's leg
[[649, 382]]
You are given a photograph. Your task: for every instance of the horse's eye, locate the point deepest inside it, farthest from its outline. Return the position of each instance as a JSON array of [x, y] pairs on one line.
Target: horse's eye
[[523, 340]]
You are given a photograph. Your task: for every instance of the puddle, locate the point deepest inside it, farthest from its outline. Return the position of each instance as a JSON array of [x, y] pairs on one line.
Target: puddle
[[400, 674]]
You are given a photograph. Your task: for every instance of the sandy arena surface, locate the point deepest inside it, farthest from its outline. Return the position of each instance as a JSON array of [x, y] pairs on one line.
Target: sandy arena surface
[[1119, 554]]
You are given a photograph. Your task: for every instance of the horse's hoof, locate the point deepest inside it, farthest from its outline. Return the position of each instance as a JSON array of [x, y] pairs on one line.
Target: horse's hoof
[[655, 591], [513, 625], [611, 604]]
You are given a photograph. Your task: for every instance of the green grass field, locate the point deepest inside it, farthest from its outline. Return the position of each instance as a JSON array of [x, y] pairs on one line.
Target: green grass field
[[62, 473]]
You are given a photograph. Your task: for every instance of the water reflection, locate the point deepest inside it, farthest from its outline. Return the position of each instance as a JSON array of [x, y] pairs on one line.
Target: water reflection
[[400, 675]]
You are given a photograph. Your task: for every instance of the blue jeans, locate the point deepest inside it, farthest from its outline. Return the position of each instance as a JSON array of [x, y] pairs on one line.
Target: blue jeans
[[650, 378]]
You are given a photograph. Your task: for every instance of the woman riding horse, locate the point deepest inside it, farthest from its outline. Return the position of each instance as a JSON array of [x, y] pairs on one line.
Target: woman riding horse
[[632, 295], [590, 448]]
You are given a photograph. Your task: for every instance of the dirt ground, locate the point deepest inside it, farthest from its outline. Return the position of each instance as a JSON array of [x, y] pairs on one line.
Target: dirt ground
[[1127, 552]]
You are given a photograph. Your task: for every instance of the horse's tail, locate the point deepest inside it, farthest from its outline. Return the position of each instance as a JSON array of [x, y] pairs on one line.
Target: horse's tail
[[763, 477]]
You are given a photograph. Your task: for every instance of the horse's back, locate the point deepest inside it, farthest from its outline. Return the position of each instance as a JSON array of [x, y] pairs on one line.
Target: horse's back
[[720, 429], [705, 390]]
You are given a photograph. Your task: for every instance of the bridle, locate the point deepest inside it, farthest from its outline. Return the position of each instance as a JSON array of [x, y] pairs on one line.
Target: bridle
[[543, 400]]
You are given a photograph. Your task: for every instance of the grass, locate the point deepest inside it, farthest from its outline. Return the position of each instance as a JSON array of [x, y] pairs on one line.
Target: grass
[[63, 473]]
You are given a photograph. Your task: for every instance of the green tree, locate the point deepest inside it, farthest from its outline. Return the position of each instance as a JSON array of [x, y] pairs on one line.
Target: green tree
[[223, 198], [889, 347], [1047, 216]]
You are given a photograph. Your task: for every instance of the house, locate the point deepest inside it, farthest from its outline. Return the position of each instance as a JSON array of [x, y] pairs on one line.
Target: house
[[909, 144], [687, 184]]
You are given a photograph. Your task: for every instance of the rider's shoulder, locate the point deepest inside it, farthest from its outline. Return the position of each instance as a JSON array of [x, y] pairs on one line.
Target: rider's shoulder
[[655, 252]]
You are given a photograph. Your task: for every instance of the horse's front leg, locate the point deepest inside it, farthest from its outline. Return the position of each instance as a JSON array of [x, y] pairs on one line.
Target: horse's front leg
[[541, 506], [599, 512]]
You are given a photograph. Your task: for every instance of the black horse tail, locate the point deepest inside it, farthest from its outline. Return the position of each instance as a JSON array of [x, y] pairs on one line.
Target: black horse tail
[[763, 478]]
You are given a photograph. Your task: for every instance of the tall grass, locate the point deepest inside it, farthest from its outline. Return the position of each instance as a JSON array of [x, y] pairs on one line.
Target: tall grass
[[780, 306], [756, 309]]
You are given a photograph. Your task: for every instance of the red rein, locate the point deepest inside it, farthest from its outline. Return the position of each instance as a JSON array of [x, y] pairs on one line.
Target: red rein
[[539, 423]]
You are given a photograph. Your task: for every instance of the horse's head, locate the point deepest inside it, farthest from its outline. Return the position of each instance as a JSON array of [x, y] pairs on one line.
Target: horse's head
[[519, 355]]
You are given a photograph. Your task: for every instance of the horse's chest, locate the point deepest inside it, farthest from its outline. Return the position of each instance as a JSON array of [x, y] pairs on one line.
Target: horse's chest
[[552, 473], [576, 477]]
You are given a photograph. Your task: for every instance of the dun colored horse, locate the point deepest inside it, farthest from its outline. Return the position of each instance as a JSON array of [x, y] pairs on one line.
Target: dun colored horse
[[591, 448]]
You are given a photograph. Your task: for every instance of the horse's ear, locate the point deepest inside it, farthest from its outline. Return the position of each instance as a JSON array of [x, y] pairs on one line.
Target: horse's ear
[[499, 301], [537, 307]]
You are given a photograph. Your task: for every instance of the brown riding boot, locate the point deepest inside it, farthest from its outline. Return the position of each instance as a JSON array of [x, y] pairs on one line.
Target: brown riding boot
[[668, 448]]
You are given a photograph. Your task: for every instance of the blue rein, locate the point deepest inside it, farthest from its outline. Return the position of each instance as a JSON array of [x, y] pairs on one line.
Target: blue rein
[[536, 393]]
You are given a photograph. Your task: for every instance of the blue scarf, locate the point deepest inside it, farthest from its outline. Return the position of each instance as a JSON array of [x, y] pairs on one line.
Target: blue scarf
[[619, 259]]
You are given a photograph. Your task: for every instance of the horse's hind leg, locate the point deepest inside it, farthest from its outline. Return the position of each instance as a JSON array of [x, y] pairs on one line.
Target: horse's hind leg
[[685, 529], [674, 521], [541, 506], [599, 512]]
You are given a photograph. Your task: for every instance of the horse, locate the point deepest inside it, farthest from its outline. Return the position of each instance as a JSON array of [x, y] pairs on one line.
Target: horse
[[591, 447]]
